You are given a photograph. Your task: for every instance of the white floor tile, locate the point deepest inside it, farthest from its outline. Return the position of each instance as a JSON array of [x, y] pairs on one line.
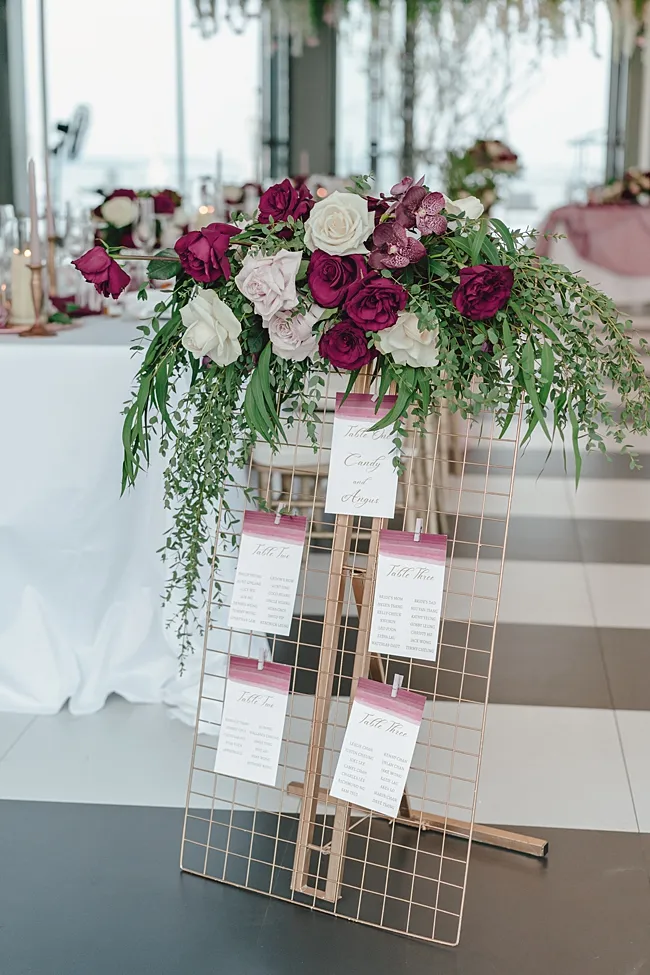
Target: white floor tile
[[533, 592], [123, 754], [611, 498], [554, 767], [12, 726], [620, 594], [634, 727]]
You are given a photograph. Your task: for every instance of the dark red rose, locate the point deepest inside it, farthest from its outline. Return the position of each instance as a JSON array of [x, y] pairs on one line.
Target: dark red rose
[[483, 290], [66, 305], [202, 253], [375, 302], [102, 271], [329, 276], [345, 346], [165, 202], [284, 200]]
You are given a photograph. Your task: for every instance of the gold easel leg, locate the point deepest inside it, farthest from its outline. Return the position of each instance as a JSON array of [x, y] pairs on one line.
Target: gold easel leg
[[329, 644]]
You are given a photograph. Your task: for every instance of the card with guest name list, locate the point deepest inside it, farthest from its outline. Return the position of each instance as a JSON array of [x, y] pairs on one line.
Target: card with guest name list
[[378, 747], [408, 595], [268, 569], [362, 478], [252, 725]]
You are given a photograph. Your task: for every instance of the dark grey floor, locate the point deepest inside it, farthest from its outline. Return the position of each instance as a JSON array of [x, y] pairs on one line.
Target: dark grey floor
[[96, 890]]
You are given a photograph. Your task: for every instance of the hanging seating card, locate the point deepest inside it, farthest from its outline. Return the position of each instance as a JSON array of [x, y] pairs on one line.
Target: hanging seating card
[[254, 709], [408, 595], [268, 569], [378, 747], [362, 478]]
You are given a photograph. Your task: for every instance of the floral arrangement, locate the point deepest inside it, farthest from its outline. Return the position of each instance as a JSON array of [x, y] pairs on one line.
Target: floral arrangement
[[436, 301], [479, 171], [118, 213], [634, 187]]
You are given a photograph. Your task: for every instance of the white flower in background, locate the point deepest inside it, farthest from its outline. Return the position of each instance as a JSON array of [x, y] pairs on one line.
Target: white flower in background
[[211, 329], [340, 224], [270, 282], [120, 212], [407, 343], [468, 206], [291, 334]]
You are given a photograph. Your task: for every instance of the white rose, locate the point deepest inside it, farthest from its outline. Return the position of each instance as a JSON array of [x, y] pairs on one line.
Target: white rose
[[407, 343], [212, 329], [120, 211], [339, 224], [291, 334], [270, 282], [469, 206]]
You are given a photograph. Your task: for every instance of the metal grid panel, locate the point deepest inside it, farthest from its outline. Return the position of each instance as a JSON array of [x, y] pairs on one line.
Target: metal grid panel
[[409, 875]]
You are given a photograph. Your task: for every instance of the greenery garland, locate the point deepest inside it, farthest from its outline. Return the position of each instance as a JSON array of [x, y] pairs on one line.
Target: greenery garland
[[444, 304]]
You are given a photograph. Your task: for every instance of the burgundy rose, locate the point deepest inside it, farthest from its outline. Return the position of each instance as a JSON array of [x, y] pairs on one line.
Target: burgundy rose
[[202, 253], [102, 271], [165, 202], [393, 248], [284, 200], [483, 290], [375, 302], [329, 276], [345, 346]]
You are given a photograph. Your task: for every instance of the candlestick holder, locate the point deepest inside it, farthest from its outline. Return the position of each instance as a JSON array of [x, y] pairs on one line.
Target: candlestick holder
[[38, 329], [51, 266]]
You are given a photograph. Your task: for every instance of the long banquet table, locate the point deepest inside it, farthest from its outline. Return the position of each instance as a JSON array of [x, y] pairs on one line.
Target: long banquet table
[[80, 577]]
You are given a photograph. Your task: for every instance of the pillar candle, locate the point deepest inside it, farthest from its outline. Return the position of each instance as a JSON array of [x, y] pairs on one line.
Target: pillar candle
[[34, 240], [49, 212], [22, 305]]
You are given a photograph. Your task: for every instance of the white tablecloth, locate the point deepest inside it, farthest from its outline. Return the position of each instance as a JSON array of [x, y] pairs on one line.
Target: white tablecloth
[[80, 577]]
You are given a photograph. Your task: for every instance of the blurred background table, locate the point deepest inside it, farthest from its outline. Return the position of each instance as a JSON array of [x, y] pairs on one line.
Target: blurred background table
[[80, 577], [608, 244]]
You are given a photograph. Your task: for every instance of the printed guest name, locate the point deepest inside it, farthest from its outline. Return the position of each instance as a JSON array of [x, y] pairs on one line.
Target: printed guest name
[[371, 464]]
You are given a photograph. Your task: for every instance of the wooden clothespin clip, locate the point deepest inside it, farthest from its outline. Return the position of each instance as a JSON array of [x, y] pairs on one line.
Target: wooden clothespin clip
[[261, 657], [398, 680], [418, 530], [278, 515]]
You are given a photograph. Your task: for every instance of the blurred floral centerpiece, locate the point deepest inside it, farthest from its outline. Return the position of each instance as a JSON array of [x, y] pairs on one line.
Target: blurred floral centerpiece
[[634, 187], [119, 212], [480, 171], [432, 299]]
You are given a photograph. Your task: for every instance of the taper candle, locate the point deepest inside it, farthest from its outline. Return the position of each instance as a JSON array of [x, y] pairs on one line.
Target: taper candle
[[34, 240]]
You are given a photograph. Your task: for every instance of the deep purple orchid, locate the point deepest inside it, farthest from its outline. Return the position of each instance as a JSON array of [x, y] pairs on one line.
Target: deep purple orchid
[[405, 184], [394, 248], [421, 209]]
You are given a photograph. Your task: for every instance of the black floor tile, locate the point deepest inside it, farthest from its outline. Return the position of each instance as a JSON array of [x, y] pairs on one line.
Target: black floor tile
[[533, 462], [627, 661], [95, 890]]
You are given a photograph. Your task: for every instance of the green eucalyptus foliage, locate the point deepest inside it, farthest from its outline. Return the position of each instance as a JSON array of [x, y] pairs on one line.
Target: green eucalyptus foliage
[[558, 347]]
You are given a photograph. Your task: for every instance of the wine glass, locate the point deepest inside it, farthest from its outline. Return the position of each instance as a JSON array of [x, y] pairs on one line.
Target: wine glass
[[144, 228]]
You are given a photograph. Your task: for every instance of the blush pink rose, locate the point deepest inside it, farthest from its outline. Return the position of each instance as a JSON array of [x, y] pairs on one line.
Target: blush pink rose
[[269, 283], [292, 335]]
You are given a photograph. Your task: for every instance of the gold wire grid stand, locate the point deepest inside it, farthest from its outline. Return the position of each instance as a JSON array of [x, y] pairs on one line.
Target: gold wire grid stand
[[294, 842]]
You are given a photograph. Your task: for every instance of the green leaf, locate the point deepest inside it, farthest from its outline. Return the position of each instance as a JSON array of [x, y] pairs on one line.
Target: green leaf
[[477, 242], [575, 435], [60, 318], [168, 267], [350, 386], [527, 372], [504, 234]]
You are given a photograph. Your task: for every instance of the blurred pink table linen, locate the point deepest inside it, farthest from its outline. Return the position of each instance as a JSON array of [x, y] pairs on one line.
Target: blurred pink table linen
[[615, 237]]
